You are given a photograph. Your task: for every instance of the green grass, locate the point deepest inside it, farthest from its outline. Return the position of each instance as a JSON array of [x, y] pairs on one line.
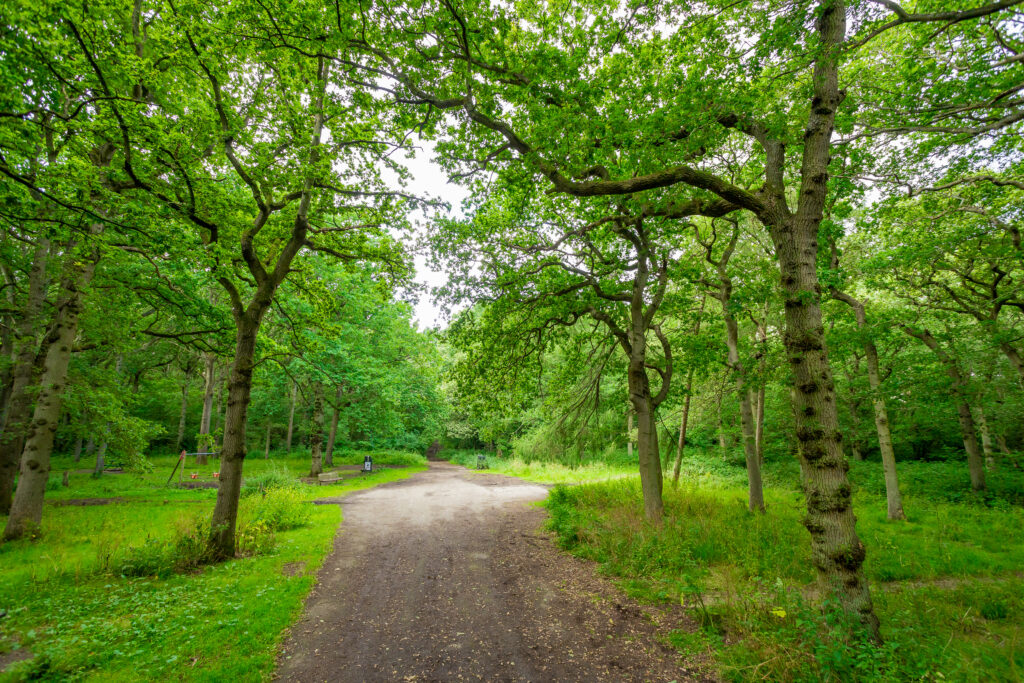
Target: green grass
[[544, 472], [69, 604], [947, 584]]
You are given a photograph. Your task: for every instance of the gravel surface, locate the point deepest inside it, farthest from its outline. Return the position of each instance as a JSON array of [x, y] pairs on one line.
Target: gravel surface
[[447, 576]]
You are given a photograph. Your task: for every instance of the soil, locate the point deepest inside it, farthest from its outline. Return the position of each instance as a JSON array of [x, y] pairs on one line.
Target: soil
[[9, 659], [447, 576]]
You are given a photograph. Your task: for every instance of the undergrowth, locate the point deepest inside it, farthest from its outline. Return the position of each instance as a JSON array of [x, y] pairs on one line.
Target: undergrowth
[[946, 583]]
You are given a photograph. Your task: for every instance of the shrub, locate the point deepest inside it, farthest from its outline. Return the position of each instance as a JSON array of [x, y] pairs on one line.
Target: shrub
[[279, 509], [276, 476]]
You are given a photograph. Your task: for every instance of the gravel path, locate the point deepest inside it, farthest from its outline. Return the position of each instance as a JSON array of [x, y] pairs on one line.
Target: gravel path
[[446, 576]]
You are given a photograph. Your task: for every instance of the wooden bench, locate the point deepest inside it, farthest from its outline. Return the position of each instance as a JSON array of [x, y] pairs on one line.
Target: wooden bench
[[328, 477]]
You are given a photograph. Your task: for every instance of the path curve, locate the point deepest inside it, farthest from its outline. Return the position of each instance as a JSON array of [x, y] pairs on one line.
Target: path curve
[[446, 576]]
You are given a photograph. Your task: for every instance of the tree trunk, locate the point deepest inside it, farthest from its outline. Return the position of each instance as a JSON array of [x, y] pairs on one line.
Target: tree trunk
[[316, 432], [225, 512], [647, 440], [27, 508], [629, 433], [893, 497], [78, 448], [182, 416], [101, 460], [755, 492], [205, 441], [266, 447], [836, 550], [975, 463], [26, 343], [1011, 352], [291, 418], [329, 458], [682, 429], [986, 439]]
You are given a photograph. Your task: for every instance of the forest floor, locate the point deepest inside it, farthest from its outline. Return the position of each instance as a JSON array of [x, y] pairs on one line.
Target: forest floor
[[447, 575]]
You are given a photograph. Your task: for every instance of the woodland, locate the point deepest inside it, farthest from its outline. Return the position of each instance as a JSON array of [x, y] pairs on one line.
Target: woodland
[[747, 274]]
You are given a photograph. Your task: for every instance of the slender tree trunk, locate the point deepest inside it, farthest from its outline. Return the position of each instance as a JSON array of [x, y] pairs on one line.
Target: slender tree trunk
[[205, 442], [316, 431], [291, 418], [647, 440], [686, 401], [181, 416], [266, 447], [629, 433], [975, 463], [26, 343], [894, 499], [682, 429], [101, 459], [78, 448], [986, 439], [329, 458], [27, 508], [755, 491]]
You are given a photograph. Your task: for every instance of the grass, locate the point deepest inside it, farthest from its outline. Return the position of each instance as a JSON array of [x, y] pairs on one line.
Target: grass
[[947, 584], [545, 472], [74, 605]]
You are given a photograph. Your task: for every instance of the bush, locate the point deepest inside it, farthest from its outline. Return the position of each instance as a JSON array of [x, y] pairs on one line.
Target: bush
[[276, 476], [278, 509]]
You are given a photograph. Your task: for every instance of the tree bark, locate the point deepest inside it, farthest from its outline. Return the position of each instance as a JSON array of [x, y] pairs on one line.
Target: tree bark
[[78, 448], [894, 499], [329, 457], [101, 459], [225, 511], [682, 429], [629, 433], [975, 463], [205, 441], [291, 418], [316, 431], [647, 440], [182, 416], [27, 507], [266, 447], [25, 346], [986, 439]]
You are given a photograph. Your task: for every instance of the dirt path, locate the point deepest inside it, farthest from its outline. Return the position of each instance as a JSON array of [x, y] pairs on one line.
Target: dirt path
[[445, 576]]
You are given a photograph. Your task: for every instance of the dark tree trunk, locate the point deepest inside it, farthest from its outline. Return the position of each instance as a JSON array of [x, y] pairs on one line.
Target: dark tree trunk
[[329, 457], [682, 428], [205, 441], [182, 416], [316, 432]]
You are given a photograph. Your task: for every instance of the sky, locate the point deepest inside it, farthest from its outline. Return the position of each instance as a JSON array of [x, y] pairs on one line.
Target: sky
[[429, 180]]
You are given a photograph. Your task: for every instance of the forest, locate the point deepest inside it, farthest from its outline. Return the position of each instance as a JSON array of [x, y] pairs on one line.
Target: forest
[[742, 281]]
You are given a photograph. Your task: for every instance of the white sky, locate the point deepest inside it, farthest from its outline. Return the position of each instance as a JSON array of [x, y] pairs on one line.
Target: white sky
[[429, 180]]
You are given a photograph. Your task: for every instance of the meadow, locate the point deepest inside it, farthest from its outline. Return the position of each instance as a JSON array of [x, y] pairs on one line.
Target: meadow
[[120, 591], [947, 583]]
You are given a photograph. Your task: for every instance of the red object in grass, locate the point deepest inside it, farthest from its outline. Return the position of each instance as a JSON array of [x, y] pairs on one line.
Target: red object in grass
[[195, 474], [216, 475]]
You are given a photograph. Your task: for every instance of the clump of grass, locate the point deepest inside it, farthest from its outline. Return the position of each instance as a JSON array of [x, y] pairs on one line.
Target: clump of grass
[[274, 475]]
